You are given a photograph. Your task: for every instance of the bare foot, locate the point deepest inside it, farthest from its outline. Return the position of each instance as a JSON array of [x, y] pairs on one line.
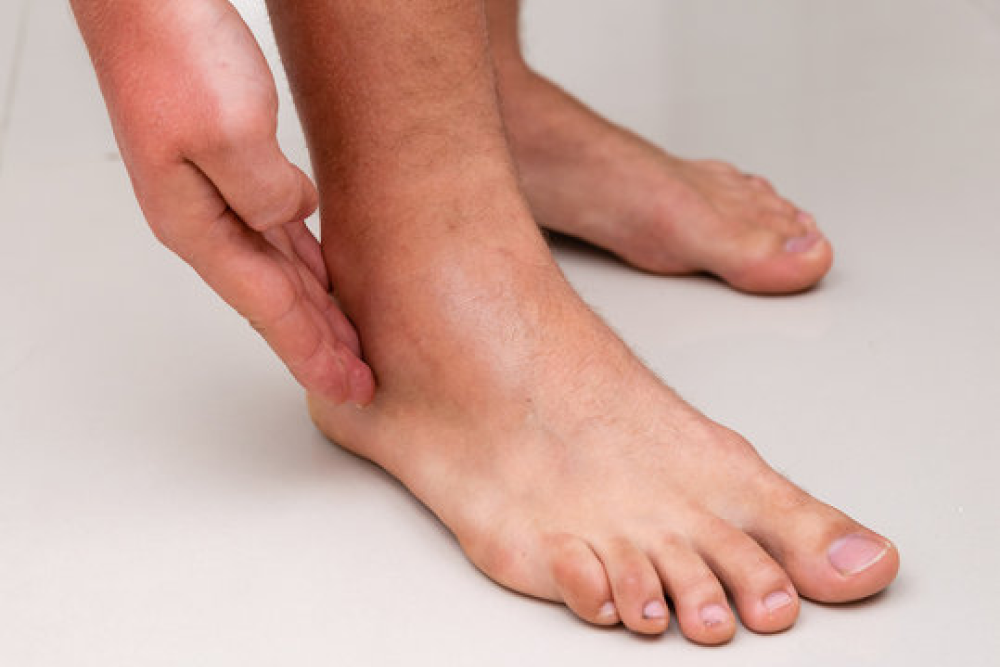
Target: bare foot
[[566, 470], [591, 179]]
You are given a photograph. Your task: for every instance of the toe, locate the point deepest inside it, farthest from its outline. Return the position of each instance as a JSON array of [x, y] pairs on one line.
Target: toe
[[718, 167], [777, 262], [635, 585], [780, 220], [764, 594], [700, 602], [805, 219], [582, 581], [785, 214], [829, 556], [760, 183]]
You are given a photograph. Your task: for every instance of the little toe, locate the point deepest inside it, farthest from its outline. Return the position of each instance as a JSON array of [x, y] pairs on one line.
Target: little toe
[[699, 600], [764, 594], [582, 581], [636, 587], [829, 556]]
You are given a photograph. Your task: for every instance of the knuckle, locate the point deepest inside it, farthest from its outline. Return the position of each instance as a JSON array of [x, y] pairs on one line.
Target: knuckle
[[790, 498], [569, 567], [699, 587], [280, 203], [765, 573], [632, 583], [671, 543], [493, 556], [230, 132]]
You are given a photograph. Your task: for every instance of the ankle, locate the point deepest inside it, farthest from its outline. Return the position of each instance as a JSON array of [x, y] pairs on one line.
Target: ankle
[[428, 313], [512, 70], [377, 229], [534, 109]]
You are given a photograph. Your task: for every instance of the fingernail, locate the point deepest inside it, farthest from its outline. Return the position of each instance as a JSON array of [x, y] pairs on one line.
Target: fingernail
[[654, 610], [802, 243], [607, 610], [855, 553], [713, 615], [777, 600]]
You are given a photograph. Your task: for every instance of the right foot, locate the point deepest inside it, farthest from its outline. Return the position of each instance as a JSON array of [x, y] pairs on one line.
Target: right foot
[[589, 178], [565, 469]]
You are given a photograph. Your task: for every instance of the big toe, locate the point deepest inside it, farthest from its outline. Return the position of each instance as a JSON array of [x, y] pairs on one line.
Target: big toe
[[781, 259], [829, 556]]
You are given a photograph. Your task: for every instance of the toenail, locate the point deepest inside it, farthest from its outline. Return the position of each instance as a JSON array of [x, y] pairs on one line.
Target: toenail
[[777, 600], [713, 615], [654, 609], [855, 553], [806, 219], [607, 610], [802, 243]]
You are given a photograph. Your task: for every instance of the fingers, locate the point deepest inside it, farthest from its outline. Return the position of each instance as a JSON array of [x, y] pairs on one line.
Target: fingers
[[316, 289], [281, 298], [275, 296], [309, 251]]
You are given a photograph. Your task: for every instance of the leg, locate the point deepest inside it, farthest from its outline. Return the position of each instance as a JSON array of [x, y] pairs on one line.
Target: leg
[[589, 178], [566, 470]]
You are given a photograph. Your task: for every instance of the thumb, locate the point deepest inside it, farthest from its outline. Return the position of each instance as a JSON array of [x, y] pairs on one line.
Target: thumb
[[259, 183]]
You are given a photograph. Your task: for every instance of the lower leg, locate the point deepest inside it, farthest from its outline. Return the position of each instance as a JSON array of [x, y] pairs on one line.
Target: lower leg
[[589, 178], [399, 108], [565, 469]]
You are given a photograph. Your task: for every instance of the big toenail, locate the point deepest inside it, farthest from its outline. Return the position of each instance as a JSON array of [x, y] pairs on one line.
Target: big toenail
[[607, 610], [654, 609], [855, 553], [713, 615], [802, 243], [777, 600]]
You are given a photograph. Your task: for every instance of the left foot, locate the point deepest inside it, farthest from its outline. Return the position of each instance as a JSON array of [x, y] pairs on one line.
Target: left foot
[[588, 178], [566, 470]]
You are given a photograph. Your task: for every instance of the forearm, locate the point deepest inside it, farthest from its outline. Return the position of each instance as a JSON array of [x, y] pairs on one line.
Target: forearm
[[120, 32]]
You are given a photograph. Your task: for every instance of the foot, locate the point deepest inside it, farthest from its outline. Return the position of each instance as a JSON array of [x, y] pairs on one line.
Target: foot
[[593, 180], [566, 469]]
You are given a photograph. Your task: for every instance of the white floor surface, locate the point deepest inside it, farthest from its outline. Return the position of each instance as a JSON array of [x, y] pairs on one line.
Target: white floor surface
[[164, 499]]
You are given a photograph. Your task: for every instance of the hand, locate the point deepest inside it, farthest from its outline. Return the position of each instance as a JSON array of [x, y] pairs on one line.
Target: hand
[[194, 109]]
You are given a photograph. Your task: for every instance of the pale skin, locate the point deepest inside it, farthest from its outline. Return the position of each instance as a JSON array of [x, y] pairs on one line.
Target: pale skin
[[566, 470]]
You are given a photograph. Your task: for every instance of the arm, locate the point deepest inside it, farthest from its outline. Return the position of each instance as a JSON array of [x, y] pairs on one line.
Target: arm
[[194, 110]]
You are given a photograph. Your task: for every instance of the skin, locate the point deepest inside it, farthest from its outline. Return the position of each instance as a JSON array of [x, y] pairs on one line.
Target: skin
[[589, 178], [565, 469], [194, 109]]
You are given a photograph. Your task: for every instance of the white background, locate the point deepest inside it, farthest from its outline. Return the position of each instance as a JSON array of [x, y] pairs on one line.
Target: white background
[[164, 499]]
